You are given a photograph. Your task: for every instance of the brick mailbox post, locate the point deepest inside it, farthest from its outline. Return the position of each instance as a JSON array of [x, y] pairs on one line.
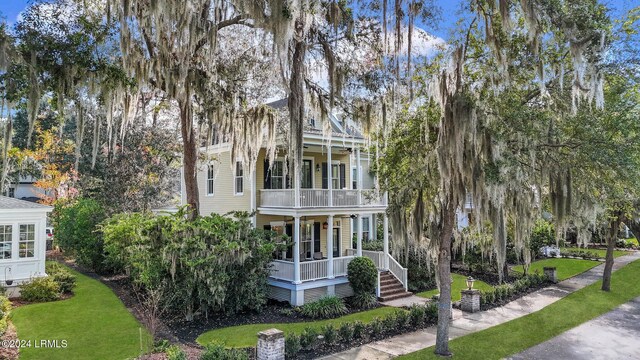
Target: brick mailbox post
[[470, 300], [551, 273], [270, 345]]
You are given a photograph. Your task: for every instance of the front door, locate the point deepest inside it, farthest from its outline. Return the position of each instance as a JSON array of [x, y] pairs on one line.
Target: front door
[[307, 174]]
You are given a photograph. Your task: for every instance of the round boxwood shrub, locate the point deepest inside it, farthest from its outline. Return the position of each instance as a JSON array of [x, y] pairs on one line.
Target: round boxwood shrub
[[40, 289], [363, 275]]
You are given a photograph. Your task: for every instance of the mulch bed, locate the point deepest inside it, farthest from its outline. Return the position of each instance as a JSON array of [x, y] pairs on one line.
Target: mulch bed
[[7, 352]]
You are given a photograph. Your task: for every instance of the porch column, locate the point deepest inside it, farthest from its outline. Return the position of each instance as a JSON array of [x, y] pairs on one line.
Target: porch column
[[330, 247], [359, 180], [359, 236], [329, 175], [296, 250], [385, 241], [296, 182], [254, 195]]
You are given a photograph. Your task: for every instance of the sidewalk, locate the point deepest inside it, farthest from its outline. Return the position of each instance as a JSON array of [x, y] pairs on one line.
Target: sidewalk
[[466, 323]]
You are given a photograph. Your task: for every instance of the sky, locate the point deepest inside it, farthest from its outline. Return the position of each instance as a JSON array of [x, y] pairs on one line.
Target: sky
[[10, 9]]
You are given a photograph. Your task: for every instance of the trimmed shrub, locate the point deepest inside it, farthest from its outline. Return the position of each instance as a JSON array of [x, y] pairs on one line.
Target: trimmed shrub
[[402, 319], [362, 274], [292, 346], [345, 331], [175, 352], [431, 312], [330, 334], [326, 307], [417, 315], [215, 351], [358, 329], [375, 327], [62, 276], [309, 338], [40, 290]]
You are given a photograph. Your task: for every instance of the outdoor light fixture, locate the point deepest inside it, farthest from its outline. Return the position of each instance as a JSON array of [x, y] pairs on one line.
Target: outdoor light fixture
[[6, 278], [325, 225], [317, 167], [353, 216], [470, 282]]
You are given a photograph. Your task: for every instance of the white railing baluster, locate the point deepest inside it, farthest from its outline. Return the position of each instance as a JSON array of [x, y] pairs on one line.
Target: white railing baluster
[[320, 198]]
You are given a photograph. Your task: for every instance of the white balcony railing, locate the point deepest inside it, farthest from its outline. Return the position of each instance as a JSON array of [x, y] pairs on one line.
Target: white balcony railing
[[309, 270], [312, 198]]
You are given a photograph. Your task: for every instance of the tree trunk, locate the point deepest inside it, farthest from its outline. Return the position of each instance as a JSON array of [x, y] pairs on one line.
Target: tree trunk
[[189, 159], [444, 277], [612, 236], [296, 100]]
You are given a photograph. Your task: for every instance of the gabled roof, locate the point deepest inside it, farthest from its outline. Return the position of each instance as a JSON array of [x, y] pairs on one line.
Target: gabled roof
[[9, 203], [338, 128]]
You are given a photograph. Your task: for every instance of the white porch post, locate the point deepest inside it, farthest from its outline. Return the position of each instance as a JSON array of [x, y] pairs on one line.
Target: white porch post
[[296, 250], [330, 247], [359, 180], [254, 195], [385, 241], [296, 182], [329, 175], [359, 236]]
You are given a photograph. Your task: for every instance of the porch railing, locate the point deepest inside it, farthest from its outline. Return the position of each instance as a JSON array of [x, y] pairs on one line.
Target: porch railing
[[312, 198], [394, 266], [376, 256], [281, 269], [398, 271], [309, 270]]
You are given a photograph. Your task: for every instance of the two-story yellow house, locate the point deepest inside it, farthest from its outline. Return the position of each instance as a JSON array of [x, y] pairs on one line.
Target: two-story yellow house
[[319, 215]]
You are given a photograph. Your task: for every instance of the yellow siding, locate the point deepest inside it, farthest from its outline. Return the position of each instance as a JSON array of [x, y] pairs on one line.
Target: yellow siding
[[224, 198]]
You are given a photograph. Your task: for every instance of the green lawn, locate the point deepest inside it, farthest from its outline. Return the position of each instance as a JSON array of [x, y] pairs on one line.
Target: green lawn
[[520, 334], [94, 323], [600, 252], [459, 284], [246, 335], [565, 268]]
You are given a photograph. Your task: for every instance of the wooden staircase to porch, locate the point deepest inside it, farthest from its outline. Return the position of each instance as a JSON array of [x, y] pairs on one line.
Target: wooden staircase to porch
[[391, 288]]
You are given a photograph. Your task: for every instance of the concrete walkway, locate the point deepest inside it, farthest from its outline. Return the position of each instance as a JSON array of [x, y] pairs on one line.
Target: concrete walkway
[[466, 323], [613, 335]]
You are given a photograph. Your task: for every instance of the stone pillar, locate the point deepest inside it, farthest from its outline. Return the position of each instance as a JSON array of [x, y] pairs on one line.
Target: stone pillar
[[270, 345], [470, 300], [551, 273]]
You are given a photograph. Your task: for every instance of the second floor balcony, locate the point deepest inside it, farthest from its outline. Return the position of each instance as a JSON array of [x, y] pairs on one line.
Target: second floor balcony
[[319, 198]]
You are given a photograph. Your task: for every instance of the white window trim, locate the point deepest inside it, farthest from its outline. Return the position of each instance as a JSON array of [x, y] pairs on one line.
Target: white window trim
[[284, 178], [235, 178], [212, 179]]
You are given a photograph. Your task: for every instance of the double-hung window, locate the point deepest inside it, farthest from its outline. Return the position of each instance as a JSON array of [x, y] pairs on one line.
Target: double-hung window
[[239, 179], [27, 240], [210, 179], [365, 229], [6, 241], [277, 175]]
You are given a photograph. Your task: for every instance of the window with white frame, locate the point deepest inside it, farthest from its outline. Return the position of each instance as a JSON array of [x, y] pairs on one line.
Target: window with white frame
[[6, 241], [210, 179], [239, 179], [354, 178], [335, 176], [277, 175], [365, 228], [27, 240]]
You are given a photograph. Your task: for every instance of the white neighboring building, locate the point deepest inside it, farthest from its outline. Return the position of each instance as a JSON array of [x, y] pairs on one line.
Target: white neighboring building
[[22, 241], [25, 189]]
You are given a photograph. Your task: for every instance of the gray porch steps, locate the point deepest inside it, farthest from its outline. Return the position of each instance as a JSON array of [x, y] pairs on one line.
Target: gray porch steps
[[391, 288]]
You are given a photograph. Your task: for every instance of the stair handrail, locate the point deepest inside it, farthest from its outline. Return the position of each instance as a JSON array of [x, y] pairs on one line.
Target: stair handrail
[[398, 271]]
